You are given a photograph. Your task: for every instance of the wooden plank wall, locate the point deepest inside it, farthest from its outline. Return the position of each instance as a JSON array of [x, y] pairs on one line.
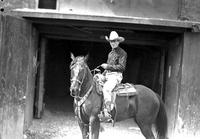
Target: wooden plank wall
[[188, 123], [14, 71]]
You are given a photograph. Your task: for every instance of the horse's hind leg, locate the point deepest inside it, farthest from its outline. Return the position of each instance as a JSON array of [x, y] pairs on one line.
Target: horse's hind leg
[[146, 130]]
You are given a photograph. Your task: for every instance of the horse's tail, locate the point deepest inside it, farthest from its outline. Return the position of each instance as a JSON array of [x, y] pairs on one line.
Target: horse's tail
[[161, 121]]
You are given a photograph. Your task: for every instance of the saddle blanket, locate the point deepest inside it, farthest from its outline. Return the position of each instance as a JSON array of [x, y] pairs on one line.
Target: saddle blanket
[[122, 89], [126, 89]]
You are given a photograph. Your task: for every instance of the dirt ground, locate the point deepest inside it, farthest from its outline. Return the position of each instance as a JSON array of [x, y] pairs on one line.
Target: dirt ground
[[58, 122]]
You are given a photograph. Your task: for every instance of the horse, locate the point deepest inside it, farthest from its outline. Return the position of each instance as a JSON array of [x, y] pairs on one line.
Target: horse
[[146, 108]]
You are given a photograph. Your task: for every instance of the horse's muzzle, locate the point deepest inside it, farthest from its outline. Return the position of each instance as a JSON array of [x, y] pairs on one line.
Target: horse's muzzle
[[74, 92]]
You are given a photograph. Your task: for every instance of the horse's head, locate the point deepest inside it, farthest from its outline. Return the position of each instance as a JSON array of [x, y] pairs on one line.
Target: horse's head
[[78, 73]]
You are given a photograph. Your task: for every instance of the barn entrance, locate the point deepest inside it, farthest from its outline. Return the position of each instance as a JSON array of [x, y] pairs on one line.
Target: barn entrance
[[143, 65], [154, 58]]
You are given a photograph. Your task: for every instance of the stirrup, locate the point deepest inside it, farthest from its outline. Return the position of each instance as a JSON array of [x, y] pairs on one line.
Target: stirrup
[[105, 116]]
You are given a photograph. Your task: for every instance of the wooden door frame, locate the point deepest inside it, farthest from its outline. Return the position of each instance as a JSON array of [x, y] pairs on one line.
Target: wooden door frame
[[40, 90], [162, 73]]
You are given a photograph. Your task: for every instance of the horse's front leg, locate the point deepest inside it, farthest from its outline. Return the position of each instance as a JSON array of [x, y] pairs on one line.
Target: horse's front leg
[[84, 129], [94, 127]]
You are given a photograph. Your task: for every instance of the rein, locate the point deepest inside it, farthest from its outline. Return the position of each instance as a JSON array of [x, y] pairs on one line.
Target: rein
[[80, 102], [84, 98]]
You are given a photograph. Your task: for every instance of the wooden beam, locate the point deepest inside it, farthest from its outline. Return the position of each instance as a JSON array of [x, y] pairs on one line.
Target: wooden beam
[[156, 39], [129, 42], [110, 25]]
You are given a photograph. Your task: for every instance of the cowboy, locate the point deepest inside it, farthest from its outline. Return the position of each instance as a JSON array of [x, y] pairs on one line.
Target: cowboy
[[116, 64]]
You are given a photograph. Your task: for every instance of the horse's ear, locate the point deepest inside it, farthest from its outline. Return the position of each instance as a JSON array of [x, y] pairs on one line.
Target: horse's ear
[[72, 56], [86, 57]]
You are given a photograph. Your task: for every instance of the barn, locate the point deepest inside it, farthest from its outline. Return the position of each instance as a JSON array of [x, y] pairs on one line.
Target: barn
[[37, 37]]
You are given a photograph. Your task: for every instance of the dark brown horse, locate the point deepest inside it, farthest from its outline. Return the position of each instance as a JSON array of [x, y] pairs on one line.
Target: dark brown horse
[[146, 108]]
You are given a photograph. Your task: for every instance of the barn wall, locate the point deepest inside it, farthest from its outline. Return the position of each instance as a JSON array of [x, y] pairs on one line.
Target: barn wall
[[190, 10], [141, 8], [7, 5], [15, 73], [172, 82], [188, 123], [170, 9]]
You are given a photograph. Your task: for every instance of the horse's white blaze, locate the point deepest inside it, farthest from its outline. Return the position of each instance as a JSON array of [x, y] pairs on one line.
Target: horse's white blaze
[[76, 72]]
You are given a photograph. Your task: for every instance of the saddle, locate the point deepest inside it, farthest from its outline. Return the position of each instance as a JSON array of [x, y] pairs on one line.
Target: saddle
[[122, 89], [125, 89]]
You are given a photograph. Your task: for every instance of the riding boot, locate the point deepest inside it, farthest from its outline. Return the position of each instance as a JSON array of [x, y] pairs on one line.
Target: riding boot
[[105, 116], [107, 110]]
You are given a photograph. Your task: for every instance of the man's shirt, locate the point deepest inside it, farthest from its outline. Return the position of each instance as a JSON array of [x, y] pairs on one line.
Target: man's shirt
[[117, 60]]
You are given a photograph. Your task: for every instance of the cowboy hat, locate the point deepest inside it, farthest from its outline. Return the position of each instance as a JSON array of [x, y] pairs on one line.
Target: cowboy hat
[[114, 36]]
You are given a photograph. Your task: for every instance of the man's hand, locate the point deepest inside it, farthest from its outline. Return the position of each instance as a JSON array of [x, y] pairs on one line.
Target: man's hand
[[104, 65]]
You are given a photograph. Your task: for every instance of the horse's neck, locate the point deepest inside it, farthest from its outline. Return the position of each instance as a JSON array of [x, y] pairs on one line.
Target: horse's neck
[[93, 98], [88, 82]]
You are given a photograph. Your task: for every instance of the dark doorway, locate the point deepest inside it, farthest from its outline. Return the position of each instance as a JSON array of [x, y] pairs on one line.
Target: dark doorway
[[143, 66]]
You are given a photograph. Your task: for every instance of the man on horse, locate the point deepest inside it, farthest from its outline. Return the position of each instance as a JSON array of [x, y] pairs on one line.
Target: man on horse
[[115, 66]]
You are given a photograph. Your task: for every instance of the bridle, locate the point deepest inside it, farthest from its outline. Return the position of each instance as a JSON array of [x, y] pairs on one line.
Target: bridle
[[78, 101], [74, 79]]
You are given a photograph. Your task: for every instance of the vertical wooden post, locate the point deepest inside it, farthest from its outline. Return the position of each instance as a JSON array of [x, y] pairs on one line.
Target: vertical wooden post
[[172, 82], [31, 77], [2, 79], [40, 81], [161, 77]]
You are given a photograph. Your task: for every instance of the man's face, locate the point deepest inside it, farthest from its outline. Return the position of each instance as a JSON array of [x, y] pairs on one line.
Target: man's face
[[114, 43]]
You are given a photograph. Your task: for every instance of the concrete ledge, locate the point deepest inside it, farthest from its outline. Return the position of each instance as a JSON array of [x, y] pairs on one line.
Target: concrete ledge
[[54, 14]]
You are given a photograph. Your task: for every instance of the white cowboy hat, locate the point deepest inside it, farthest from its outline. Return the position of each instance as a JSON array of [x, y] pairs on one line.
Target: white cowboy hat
[[114, 36]]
